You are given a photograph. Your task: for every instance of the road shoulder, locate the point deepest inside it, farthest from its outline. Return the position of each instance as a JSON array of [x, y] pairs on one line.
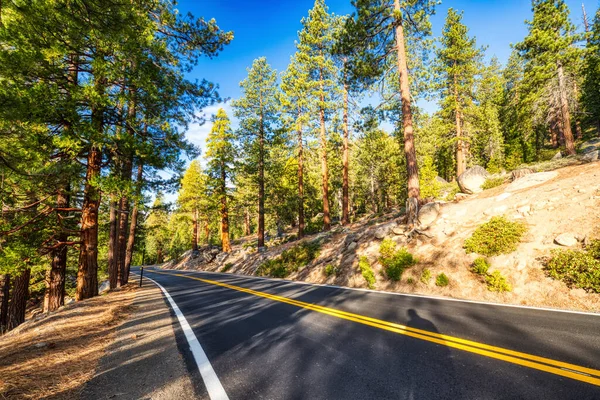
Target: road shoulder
[[144, 361]]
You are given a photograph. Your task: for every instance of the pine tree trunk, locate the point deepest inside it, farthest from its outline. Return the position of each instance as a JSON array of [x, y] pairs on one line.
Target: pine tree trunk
[[226, 245], [261, 185], [300, 180], [345, 160], [87, 274], [564, 108], [207, 231], [122, 238], [113, 266], [18, 300], [324, 168], [55, 276], [133, 222], [410, 153], [195, 230], [461, 164], [246, 222], [4, 290]]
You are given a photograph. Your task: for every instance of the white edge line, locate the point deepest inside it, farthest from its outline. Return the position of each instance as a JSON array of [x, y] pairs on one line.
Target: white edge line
[[209, 376], [390, 293]]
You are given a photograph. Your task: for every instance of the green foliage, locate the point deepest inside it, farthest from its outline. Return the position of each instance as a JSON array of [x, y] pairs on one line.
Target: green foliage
[[492, 183], [426, 276], [576, 268], [227, 267], [367, 271], [410, 281], [496, 282], [593, 249], [480, 266], [498, 236], [442, 280], [430, 187], [452, 189], [394, 261], [331, 269], [290, 260]]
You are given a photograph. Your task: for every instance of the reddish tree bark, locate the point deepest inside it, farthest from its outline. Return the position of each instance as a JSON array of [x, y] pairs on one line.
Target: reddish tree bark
[[226, 245], [300, 180], [55, 276], [87, 274], [133, 222], [565, 114], [324, 167], [345, 161], [18, 299], [410, 153], [4, 290], [195, 230]]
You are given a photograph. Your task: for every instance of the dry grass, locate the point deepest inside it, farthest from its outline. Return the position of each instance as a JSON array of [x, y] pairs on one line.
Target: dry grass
[[52, 357]]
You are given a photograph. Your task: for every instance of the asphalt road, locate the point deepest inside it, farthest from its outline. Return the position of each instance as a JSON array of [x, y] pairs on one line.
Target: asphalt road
[[273, 339]]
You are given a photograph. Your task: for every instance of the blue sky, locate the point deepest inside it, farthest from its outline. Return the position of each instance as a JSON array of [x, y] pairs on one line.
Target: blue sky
[[269, 28]]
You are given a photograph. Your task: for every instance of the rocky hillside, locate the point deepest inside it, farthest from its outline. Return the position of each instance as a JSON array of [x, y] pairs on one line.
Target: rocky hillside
[[559, 208]]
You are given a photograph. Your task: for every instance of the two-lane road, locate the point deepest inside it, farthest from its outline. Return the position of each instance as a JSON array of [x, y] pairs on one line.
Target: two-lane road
[[273, 339]]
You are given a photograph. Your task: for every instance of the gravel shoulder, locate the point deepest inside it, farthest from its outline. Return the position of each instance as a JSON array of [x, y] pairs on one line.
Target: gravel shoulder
[[144, 361]]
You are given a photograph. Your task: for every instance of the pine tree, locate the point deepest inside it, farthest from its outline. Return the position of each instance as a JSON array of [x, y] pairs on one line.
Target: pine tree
[[258, 112], [549, 51], [316, 39], [379, 29], [192, 197], [458, 64], [220, 153], [295, 103], [591, 84]]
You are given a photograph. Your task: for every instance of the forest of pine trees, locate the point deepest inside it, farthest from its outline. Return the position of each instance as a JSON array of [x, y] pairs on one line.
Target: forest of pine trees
[[96, 104]]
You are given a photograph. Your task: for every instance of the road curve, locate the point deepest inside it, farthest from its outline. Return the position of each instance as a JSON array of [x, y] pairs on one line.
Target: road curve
[[274, 339]]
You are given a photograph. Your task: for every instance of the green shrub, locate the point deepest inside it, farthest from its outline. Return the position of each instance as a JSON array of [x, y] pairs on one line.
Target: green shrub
[[367, 271], [290, 260], [498, 236], [451, 190], [226, 267], [593, 249], [410, 281], [442, 280], [426, 276], [496, 282], [387, 248], [576, 268], [394, 261], [331, 269], [492, 183], [480, 266]]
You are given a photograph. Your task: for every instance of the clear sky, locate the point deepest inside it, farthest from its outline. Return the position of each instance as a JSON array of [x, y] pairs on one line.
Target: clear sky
[[269, 28]]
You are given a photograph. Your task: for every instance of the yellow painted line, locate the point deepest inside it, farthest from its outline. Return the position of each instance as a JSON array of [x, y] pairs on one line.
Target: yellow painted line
[[568, 370]]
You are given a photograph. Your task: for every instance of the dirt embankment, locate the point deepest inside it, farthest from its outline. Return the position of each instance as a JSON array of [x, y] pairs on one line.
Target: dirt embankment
[[53, 356], [565, 201]]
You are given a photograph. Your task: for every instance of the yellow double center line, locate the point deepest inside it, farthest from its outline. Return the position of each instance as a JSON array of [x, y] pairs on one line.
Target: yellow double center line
[[572, 371]]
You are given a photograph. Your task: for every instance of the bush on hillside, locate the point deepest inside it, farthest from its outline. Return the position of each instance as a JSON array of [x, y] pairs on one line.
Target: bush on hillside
[[480, 266], [290, 260], [492, 183], [496, 282], [367, 271], [426, 276], [394, 261], [576, 268], [442, 280], [498, 236]]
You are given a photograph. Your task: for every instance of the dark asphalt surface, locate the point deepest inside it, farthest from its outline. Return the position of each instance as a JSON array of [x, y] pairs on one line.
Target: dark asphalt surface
[[264, 349]]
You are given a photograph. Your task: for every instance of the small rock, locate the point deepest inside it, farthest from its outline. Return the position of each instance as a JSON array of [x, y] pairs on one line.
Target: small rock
[[104, 286], [398, 230], [591, 156], [581, 191], [519, 173], [557, 156], [461, 196], [40, 345], [472, 179], [428, 214], [496, 210], [566, 239], [352, 246], [530, 180], [382, 232]]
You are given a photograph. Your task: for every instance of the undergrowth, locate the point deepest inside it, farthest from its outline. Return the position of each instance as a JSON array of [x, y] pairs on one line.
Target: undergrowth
[[426, 276], [480, 266], [498, 236], [290, 260], [226, 267], [394, 261], [496, 282], [442, 280], [367, 271], [577, 268], [492, 183]]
